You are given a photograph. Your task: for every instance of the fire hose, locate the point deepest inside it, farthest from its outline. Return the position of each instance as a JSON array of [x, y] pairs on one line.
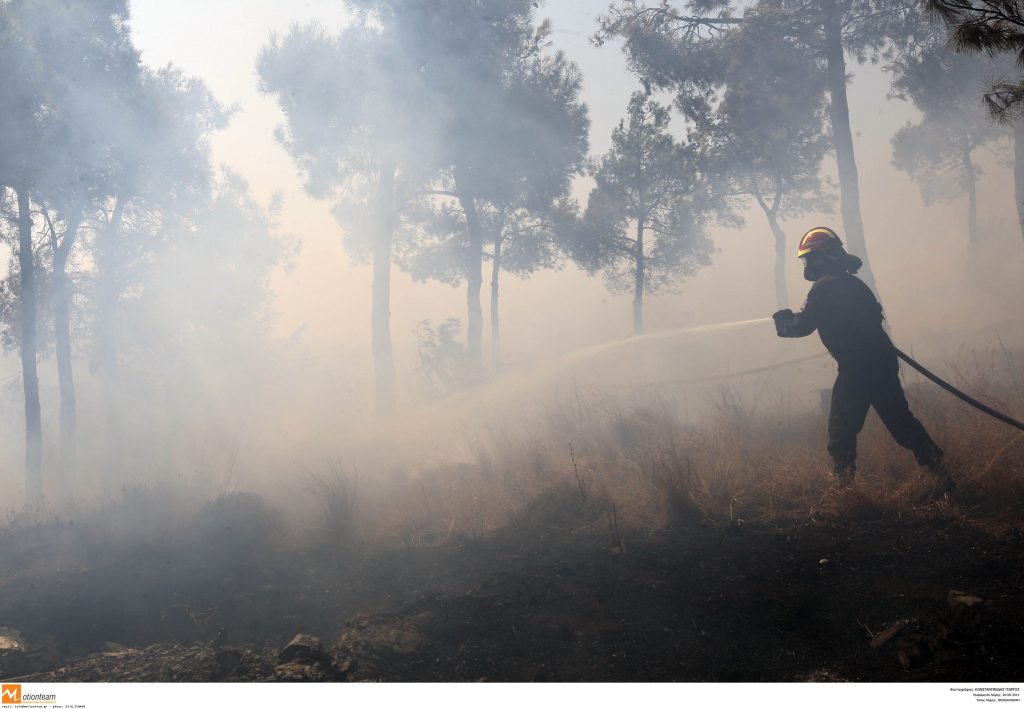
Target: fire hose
[[928, 374], [959, 394]]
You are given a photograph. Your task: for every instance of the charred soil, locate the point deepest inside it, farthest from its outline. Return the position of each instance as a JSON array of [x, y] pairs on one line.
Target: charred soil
[[850, 599]]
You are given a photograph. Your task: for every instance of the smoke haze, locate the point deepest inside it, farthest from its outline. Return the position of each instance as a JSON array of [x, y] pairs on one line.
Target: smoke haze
[[252, 392]]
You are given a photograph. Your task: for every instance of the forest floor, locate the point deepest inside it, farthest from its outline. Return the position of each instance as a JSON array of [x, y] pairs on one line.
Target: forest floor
[[558, 594]]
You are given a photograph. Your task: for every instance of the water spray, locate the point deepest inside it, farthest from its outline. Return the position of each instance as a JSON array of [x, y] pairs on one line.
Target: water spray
[[658, 337], [718, 327]]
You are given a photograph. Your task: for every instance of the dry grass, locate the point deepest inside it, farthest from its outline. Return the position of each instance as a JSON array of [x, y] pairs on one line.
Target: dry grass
[[334, 491], [642, 462], [587, 460]]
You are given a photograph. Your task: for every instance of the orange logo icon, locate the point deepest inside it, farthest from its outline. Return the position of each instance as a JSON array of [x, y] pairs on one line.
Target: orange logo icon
[[11, 694]]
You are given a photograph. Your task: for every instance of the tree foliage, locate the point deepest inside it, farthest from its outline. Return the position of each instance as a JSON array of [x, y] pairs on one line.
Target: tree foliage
[[353, 103], [105, 171], [358, 126], [938, 151], [992, 27], [512, 135], [644, 226], [678, 50], [763, 134]]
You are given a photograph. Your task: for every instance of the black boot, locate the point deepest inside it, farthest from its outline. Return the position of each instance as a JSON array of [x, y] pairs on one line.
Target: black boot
[[943, 476], [844, 474]]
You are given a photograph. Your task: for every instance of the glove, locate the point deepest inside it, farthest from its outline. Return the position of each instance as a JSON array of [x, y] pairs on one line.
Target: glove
[[782, 315]]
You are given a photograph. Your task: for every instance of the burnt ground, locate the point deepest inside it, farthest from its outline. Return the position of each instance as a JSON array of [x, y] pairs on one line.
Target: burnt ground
[[540, 601]]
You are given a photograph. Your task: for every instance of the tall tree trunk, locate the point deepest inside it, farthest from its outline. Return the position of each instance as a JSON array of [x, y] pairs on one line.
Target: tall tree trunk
[[1018, 170], [106, 324], [29, 374], [62, 331], [771, 213], [474, 281], [972, 197], [839, 114], [495, 315], [781, 292], [638, 280], [383, 356]]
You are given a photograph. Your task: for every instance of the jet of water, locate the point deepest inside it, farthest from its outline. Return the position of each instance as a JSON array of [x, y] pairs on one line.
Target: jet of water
[[525, 379], [587, 352]]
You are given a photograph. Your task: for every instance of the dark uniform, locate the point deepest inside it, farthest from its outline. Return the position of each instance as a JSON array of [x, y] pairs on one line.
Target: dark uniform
[[848, 318]]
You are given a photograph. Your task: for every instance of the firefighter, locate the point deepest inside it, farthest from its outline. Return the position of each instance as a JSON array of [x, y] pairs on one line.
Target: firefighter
[[848, 319]]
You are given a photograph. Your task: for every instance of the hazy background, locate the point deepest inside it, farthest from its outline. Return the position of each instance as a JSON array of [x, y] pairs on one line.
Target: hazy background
[[940, 296], [219, 41]]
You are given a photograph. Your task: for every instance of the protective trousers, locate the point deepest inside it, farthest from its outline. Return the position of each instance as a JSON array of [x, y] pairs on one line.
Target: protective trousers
[[863, 385]]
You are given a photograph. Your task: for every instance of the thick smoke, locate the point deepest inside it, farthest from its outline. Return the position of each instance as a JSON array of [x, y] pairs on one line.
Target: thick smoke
[[209, 349], [442, 330]]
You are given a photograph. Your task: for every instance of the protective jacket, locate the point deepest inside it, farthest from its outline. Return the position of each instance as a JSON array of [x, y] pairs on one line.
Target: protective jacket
[[847, 317]]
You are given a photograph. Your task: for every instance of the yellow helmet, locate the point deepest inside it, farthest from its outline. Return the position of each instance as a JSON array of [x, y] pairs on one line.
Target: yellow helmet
[[819, 238]]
